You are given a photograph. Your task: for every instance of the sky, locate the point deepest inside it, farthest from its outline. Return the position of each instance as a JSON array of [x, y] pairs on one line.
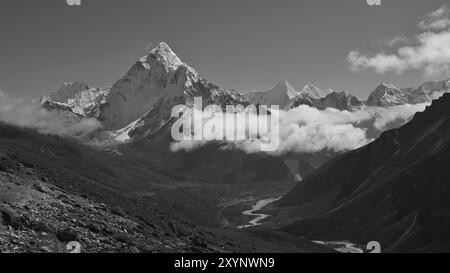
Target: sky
[[237, 44]]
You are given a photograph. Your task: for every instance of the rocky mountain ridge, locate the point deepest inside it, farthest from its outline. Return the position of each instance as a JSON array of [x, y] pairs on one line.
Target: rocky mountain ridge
[[393, 190], [384, 95], [140, 103], [78, 97]]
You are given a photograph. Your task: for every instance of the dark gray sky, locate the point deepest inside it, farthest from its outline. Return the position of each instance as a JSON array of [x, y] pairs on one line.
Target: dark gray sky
[[238, 44]]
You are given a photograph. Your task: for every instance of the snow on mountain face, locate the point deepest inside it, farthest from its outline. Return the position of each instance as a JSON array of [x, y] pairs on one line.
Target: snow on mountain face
[[160, 73], [338, 100], [78, 97], [280, 94], [384, 95], [63, 110], [158, 116], [314, 91], [283, 94], [387, 95], [429, 91], [341, 101], [141, 102]]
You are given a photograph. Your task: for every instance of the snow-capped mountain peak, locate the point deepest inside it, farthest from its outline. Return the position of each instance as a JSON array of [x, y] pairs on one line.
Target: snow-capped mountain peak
[[165, 55], [79, 97], [338, 100], [141, 101], [281, 94], [314, 91], [387, 85], [387, 95], [160, 73], [285, 88]]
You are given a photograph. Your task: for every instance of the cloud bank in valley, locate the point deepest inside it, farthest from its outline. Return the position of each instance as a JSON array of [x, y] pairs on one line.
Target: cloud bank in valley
[[307, 130], [428, 51], [19, 112]]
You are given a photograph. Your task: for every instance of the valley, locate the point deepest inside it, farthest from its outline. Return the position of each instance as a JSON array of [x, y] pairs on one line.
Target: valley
[[246, 211], [340, 178], [104, 208], [253, 212]]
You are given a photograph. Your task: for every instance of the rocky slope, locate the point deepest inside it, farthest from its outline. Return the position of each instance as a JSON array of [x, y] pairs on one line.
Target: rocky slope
[[115, 204], [393, 190]]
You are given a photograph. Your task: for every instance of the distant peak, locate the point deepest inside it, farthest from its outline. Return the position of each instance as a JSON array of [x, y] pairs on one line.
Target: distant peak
[[284, 83], [344, 92], [165, 54], [75, 94], [387, 85], [163, 48], [75, 84], [286, 88], [314, 91], [310, 84]]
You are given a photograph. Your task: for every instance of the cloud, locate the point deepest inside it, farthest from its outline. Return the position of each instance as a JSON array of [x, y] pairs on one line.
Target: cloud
[[19, 112], [436, 20], [308, 130], [381, 63], [402, 39], [430, 51], [402, 113]]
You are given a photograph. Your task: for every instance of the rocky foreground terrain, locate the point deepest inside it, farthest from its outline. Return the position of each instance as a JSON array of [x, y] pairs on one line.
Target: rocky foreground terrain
[[37, 216], [44, 206]]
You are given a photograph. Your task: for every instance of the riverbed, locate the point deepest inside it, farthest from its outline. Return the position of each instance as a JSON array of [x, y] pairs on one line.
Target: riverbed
[[257, 217]]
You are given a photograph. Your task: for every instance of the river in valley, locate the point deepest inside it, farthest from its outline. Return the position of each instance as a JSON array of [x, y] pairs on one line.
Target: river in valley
[[257, 217]]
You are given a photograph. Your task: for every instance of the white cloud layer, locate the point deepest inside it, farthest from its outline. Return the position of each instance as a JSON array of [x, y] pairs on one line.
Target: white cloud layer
[[26, 114], [302, 130], [430, 51], [307, 130]]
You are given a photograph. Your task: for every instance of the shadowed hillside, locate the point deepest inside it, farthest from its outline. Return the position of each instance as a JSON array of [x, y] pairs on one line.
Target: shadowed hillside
[[394, 190]]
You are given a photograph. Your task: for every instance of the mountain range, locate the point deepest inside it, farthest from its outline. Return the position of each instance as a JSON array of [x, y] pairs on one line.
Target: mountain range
[[122, 189], [143, 98], [139, 104], [135, 114]]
